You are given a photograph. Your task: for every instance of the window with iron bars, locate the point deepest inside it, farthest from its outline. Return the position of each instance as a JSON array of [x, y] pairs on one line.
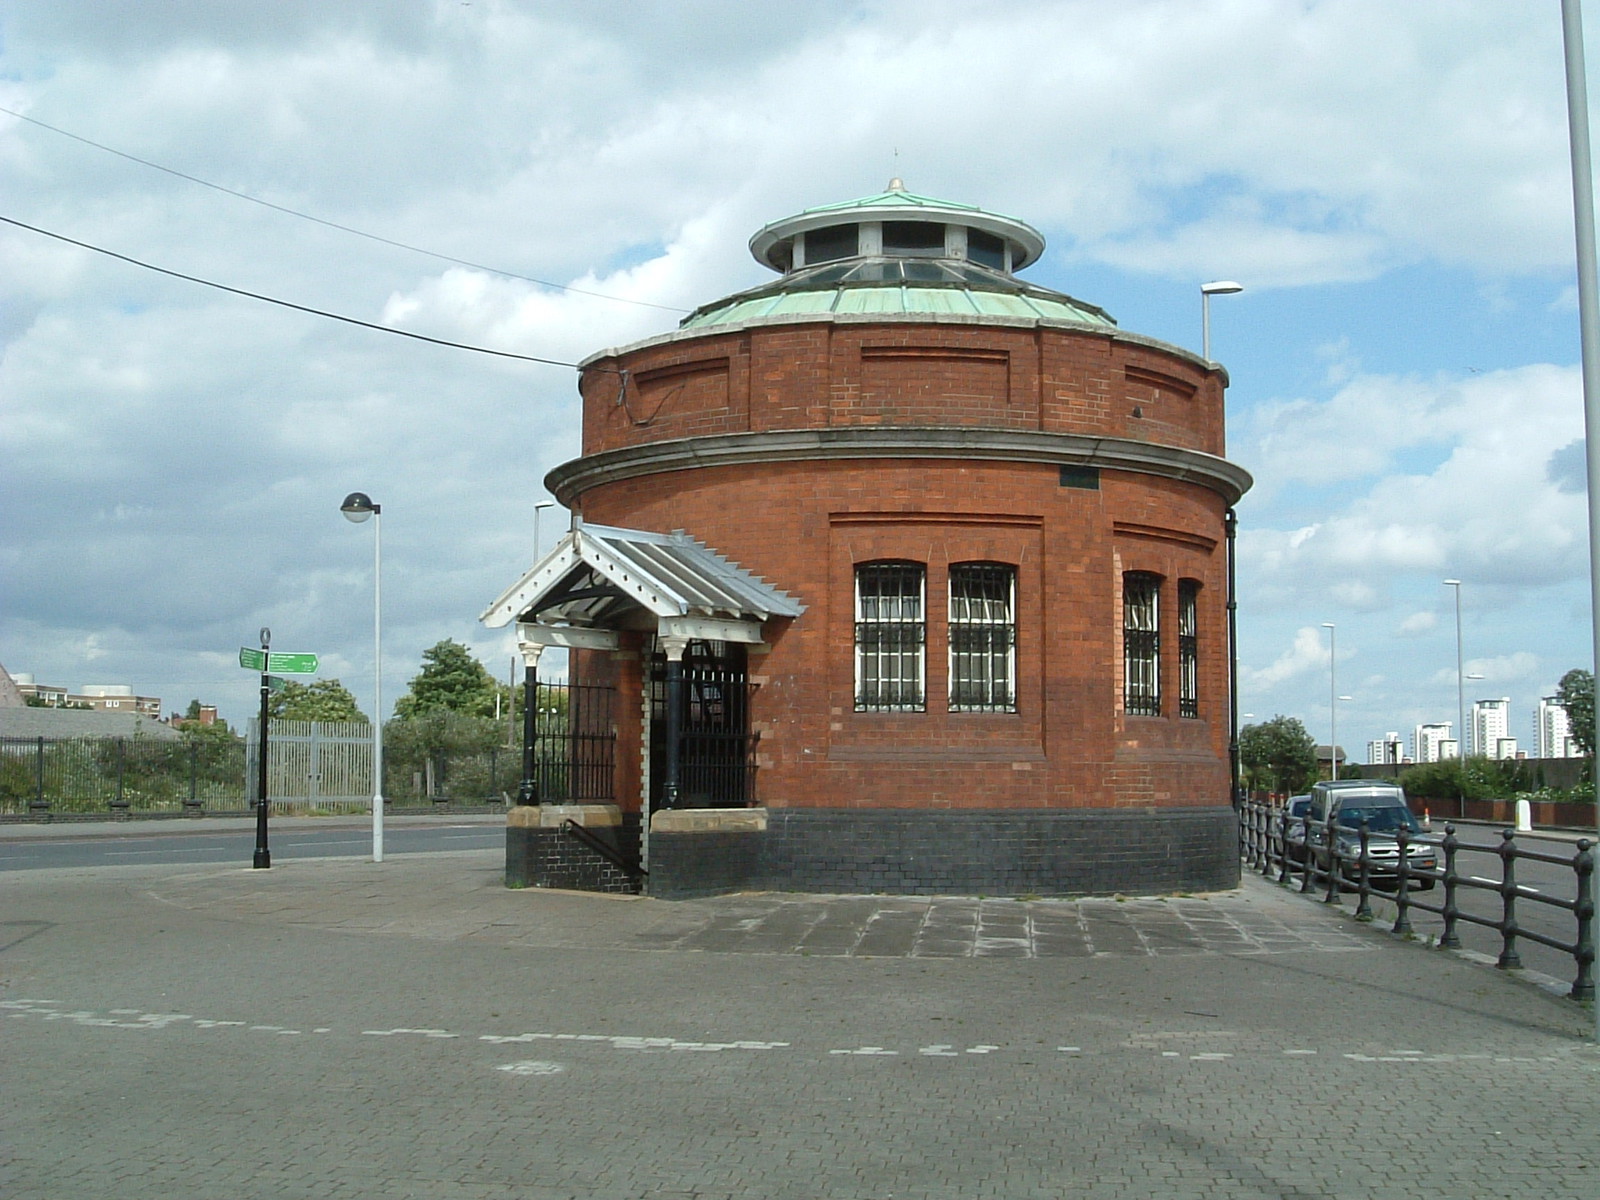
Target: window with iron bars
[[890, 636], [983, 638], [1141, 644], [1188, 648]]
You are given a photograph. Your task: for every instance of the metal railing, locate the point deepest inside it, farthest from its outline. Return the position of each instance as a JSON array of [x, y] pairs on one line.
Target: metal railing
[[1305, 853], [119, 775]]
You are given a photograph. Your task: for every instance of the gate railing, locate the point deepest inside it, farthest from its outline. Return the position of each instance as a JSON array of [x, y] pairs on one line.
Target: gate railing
[[1288, 848], [575, 743]]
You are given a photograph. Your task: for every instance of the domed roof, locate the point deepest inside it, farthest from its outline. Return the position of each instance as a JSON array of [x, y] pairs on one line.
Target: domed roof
[[897, 253]]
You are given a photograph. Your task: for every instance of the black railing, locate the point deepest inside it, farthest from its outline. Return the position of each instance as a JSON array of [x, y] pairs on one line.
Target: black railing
[[1305, 853], [717, 750], [120, 776], [575, 743], [630, 867]]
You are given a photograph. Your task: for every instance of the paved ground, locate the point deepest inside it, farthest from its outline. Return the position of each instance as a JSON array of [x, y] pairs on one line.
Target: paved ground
[[413, 1030]]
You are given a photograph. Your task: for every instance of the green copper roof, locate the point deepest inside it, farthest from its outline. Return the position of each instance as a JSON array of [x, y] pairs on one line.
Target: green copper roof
[[896, 197], [897, 254]]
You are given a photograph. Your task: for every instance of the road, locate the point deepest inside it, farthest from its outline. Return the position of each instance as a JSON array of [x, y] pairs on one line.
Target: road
[[416, 1031], [233, 841]]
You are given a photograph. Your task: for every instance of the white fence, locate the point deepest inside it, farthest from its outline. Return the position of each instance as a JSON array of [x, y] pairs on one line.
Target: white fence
[[317, 764]]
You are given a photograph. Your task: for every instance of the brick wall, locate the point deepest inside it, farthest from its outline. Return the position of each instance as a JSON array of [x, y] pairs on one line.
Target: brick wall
[[883, 372], [1005, 853], [805, 526]]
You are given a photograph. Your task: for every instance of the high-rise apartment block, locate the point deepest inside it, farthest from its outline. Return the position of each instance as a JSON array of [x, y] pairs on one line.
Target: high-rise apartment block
[[1388, 749], [1490, 725], [1552, 730], [1432, 742]]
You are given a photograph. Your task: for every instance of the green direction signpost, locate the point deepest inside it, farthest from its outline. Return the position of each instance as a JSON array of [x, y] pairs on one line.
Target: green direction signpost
[[263, 661]]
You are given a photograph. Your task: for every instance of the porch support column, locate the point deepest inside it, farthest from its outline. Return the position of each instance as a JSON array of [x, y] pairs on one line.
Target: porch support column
[[528, 793], [673, 647]]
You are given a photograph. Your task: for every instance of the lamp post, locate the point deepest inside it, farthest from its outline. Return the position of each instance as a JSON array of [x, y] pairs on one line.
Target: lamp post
[[1588, 318], [1461, 693], [357, 507], [1222, 287], [1333, 707]]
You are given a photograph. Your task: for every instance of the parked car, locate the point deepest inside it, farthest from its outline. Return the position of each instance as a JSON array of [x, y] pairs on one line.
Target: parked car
[[1337, 810], [1294, 837]]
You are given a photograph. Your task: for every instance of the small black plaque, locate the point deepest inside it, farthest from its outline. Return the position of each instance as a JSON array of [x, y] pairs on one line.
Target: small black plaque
[[1081, 477]]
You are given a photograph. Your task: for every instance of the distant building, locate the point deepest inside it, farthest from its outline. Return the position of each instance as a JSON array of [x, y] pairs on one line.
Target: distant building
[[1490, 723], [1390, 749], [1552, 731], [1432, 742], [102, 697]]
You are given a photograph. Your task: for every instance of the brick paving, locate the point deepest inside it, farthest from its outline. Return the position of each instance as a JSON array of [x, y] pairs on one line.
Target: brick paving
[[414, 1030]]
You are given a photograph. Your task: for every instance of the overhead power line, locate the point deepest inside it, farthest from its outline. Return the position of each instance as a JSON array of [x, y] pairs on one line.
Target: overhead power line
[[460, 262], [316, 312]]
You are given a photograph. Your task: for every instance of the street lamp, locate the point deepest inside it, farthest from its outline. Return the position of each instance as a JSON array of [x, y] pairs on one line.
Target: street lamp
[[1333, 707], [357, 507], [1461, 694], [1222, 287]]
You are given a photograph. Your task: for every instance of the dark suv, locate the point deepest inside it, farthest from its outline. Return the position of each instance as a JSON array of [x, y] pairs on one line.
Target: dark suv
[[1337, 811]]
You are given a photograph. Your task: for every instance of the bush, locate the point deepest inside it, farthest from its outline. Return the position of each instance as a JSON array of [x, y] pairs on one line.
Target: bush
[[1473, 778]]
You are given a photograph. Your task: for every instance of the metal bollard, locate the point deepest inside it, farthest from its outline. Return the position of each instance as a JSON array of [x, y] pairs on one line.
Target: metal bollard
[[1308, 863], [1450, 939], [1283, 846], [1583, 864], [1364, 887], [1509, 959], [1331, 841], [1402, 903]]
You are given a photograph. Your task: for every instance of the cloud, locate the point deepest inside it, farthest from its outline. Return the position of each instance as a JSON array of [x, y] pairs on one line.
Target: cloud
[[1307, 653], [1418, 623]]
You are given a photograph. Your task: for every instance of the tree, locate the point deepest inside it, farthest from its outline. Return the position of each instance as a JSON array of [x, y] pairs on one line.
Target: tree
[[324, 700], [450, 679], [428, 742], [1278, 755], [1575, 693]]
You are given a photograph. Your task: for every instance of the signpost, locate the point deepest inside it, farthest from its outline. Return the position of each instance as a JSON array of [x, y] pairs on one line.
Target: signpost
[[265, 661]]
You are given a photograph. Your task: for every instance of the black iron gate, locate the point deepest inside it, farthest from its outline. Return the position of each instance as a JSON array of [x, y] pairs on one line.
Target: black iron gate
[[575, 744], [716, 749]]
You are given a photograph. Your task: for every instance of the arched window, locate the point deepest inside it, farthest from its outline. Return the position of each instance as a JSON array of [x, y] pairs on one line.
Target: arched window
[[891, 633], [983, 637], [1141, 644], [1188, 648]]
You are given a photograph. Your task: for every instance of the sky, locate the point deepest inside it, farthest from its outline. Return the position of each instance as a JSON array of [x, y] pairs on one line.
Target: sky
[[1389, 182]]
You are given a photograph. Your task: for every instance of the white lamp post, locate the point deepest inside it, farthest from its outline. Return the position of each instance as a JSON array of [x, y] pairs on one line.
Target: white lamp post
[[1461, 693], [1333, 707], [1222, 287], [357, 507]]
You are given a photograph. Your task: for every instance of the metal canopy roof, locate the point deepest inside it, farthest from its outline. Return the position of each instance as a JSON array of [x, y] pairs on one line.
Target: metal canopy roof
[[601, 577]]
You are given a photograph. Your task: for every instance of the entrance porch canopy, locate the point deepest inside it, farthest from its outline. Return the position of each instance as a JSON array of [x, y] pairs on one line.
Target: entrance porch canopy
[[599, 580]]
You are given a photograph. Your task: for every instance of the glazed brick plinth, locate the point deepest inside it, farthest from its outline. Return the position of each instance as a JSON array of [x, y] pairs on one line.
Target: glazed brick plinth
[[996, 853], [540, 853]]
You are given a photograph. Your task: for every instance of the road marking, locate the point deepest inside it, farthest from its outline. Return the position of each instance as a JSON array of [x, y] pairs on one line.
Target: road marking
[[532, 1067]]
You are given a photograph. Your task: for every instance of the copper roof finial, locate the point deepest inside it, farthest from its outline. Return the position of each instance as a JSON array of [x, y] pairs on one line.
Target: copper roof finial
[[897, 184]]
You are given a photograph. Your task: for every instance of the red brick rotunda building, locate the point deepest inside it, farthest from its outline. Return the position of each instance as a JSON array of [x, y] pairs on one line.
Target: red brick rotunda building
[[895, 574]]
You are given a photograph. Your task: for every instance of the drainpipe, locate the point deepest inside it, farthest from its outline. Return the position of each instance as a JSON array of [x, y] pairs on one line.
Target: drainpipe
[[1231, 525]]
